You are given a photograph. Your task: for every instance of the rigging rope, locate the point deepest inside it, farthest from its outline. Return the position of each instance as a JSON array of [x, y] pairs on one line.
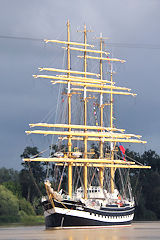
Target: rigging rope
[[79, 177], [31, 173], [61, 178]]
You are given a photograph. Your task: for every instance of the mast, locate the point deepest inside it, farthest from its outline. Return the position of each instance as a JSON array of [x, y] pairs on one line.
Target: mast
[[112, 171], [85, 116], [101, 170], [69, 113]]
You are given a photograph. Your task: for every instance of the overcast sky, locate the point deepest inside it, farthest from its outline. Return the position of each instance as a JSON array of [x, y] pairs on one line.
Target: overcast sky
[[133, 25]]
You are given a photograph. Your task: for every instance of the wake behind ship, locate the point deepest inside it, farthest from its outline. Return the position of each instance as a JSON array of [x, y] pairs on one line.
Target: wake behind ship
[[88, 153]]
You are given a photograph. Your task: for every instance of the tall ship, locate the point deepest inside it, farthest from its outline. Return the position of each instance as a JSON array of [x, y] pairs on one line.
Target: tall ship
[[91, 180]]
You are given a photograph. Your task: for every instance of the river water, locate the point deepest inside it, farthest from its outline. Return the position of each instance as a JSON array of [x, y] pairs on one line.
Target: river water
[[138, 230]]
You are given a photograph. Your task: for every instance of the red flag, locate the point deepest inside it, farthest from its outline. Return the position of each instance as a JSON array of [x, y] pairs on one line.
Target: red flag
[[122, 149]]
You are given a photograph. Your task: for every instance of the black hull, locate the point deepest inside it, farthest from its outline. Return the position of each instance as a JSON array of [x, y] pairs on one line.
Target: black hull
[[71, 214], [57, 220]]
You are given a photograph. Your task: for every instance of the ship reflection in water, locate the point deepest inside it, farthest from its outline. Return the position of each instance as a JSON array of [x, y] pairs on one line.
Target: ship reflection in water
[[147, 230]]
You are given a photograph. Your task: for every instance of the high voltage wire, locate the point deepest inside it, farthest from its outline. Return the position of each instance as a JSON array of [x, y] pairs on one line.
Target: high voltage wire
[[134, 45], [21, 38], [120, 45]]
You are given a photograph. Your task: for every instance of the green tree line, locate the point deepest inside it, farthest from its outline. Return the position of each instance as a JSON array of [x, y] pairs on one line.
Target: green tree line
[[21, 191], [146, 185]]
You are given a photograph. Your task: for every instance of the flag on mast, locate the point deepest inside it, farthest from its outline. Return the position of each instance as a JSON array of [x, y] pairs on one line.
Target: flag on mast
[[123, 150]]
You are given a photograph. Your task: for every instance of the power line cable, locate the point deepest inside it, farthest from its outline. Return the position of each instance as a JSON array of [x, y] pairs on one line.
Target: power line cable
[[21, 38], [119, 45], [135, 45]]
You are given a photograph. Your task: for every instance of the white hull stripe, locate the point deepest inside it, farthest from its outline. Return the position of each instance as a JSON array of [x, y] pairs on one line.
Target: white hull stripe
[[87, 215]]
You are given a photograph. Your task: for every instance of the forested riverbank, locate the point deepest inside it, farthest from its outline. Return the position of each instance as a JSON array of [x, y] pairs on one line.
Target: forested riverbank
[[21, 191]]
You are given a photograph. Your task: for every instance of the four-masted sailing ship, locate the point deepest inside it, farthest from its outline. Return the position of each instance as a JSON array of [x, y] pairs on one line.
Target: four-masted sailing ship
[[94, 197]]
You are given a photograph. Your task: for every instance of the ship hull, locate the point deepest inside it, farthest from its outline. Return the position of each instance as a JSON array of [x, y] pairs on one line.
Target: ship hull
[[81, 217], [57, 220]]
